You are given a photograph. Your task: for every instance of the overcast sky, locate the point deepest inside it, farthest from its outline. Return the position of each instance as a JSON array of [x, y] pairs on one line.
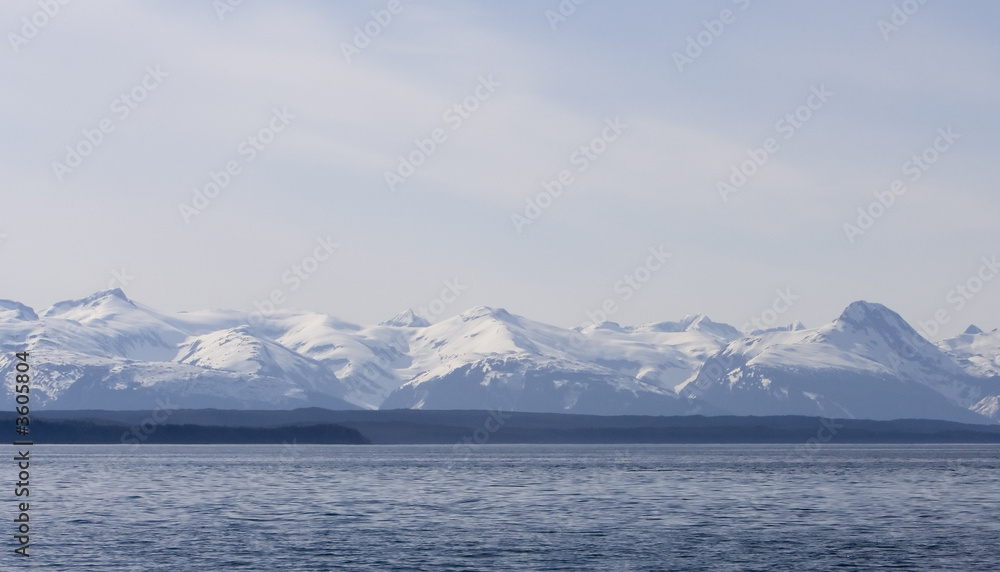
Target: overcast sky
[[832, 99]]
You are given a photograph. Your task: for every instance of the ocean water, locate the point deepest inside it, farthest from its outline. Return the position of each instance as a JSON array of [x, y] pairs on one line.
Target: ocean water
[[512, 507]]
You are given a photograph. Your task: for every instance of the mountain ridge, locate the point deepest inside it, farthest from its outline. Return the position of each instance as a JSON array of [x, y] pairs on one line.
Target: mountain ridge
[[868, 362]]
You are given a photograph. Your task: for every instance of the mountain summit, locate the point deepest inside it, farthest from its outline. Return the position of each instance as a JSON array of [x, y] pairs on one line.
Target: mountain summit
[[12, 310], [407, 319]]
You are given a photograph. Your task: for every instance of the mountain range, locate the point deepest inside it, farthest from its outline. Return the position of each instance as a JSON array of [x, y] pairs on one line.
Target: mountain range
[[106, 351]]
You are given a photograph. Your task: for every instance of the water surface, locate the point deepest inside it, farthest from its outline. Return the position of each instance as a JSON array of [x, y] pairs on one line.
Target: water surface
[[514, 507]]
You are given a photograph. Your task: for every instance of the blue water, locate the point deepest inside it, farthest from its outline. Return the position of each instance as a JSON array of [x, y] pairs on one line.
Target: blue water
[[499, 507]]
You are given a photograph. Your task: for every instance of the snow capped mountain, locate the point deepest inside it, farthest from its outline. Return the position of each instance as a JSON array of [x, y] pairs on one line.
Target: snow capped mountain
[[489, 358], [365, 360], [407, 319], [238, 350], [106, 351], [698, 322], [10, 311], [976, 351], [868, 363]]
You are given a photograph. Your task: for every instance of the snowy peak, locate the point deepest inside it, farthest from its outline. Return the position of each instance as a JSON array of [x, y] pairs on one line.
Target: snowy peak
[[693, 321], [407, 319], [976, 351], [868, 363], [676, 327], [485, 312], [795, 326], [239, 351], [11, 310], [234, 349], [115, 293], [697, 323], [972, 329], [878, 325], [702, 323], [96, 306], [863, 315], [476, 332]]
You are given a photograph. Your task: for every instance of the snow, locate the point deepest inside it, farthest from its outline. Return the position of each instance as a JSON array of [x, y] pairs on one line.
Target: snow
[[988, 407], [868, 345], [11, 310], [108, 347], [978, 352], [407, 319]]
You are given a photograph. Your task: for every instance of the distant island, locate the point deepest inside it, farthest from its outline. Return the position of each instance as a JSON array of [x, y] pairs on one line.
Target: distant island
[[474, 427]]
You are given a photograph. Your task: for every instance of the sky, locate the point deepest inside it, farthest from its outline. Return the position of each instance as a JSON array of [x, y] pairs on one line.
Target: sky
[[754, 161]]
